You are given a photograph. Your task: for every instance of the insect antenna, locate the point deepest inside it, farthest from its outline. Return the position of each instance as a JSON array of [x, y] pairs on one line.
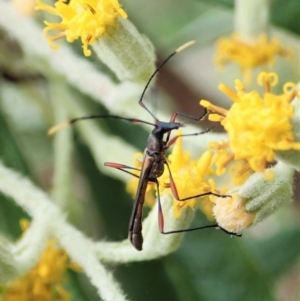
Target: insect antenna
[[179, 49], [65, 124]]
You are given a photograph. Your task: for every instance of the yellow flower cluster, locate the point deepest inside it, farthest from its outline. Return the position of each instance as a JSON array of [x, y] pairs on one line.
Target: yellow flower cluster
[[257, 126], [191, 177], [45, 281], [85, 19], [249, 54], [223, 161]]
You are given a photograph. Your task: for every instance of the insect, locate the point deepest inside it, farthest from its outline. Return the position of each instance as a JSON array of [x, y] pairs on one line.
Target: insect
[[154, 162]]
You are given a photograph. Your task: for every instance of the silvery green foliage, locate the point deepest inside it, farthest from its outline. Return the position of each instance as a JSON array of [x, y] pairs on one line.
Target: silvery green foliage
[[292, 157], [126, 52], [264, 196], [8, 267], [48, 221]]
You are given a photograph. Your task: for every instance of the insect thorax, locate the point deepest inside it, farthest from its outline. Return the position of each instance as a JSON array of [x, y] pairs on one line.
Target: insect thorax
[[155, 144]]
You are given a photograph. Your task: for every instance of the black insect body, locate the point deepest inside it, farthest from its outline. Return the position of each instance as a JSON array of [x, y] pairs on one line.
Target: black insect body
[[153, 165]]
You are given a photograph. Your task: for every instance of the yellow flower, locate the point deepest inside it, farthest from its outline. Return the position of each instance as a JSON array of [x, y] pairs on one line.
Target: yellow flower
[[85, 19], [45, 281], [249, 54], [257, 125], [223, 162], [191, 177]]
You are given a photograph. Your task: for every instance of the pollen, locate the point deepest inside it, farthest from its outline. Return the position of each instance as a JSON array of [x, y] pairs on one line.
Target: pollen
[[249, 54], [257, 124], [84, 19]]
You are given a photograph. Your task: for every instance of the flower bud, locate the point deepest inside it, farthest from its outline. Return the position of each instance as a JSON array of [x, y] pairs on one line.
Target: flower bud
[[255, 200]]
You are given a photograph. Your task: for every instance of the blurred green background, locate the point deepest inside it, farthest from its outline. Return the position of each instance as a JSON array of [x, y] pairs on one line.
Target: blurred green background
[[263, 265]]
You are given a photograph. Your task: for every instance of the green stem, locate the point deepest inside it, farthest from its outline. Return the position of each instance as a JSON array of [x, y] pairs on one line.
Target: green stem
[[63, 182], [251, 17]]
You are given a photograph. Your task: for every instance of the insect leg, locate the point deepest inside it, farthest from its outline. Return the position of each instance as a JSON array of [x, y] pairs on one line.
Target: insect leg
[[201, 117], [176, 196], [122, 167], [173, 118], [173, 140], [161, 221]]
